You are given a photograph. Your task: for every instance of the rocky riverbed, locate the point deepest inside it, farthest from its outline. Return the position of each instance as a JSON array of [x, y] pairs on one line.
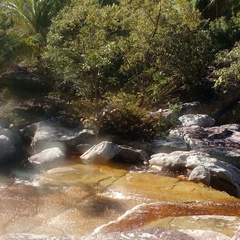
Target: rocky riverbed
[[61, 183]]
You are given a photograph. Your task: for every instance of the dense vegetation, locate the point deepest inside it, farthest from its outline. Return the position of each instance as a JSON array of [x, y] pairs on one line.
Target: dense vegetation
[[145, 52]]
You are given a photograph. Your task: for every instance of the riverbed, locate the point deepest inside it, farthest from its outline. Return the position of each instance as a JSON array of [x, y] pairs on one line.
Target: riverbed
[[70, 200]]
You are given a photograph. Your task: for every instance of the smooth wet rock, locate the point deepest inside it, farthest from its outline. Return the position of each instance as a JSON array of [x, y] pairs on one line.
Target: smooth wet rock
[[201, 163], [47, 155], [201, 120]]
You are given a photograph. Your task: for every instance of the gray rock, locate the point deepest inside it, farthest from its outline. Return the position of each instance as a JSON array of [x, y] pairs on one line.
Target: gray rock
[[221, 142], [131, 155], [142, 234], [169, 144], [201, 120], [47, 155], [13, 136], [200, 174], [105, 150], [51, 135], [205, 234], [110, 151], [219, 170]]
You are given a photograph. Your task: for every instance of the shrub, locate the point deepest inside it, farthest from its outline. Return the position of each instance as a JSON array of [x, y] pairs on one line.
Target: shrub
[[124, 118]]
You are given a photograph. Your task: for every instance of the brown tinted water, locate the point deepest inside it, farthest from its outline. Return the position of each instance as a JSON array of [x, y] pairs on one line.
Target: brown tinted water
[[75, 199]]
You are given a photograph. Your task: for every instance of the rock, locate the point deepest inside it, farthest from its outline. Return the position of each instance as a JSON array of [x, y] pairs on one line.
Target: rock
[[169, 144], [28, 236], [203, 235], [143, 234], [7, 150], [222, 142], [110, 151], [236, 235], [105, 150], [131, 155], [13, 136], [191, 108], [199, 225], [225, 174], [51, 135], [47, 155], [200, 174], [201, 120]]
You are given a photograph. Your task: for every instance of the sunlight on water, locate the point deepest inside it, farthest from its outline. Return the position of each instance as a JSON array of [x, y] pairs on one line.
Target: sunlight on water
[[75, 199]]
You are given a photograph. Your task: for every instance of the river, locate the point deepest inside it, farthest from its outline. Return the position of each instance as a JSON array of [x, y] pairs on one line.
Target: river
[[70, 200]]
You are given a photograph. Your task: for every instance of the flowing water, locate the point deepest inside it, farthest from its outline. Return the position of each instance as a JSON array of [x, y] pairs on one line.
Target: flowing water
[[70, 200]]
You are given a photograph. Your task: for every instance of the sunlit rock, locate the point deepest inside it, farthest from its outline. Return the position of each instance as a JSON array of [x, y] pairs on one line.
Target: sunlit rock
[[104, 150], [47, 155], [110, 151], [53, 135], [76, 200], [153, 233], [201, 120], [221, 142], [219, 171]]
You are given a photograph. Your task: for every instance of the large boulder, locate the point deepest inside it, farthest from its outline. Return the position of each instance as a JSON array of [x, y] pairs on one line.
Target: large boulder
[[203, 168], [52, 135], [110, 151]]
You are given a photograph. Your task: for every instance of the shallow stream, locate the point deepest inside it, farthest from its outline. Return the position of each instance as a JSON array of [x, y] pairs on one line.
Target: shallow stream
[[70, 200]]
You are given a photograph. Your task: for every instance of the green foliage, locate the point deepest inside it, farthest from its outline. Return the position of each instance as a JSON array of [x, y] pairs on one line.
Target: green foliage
[[228, 71], [127, 120], [225, 32], [88, 45]]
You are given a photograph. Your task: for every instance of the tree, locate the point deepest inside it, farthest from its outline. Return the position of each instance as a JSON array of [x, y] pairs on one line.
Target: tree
[[30, 20], [149, 43]]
